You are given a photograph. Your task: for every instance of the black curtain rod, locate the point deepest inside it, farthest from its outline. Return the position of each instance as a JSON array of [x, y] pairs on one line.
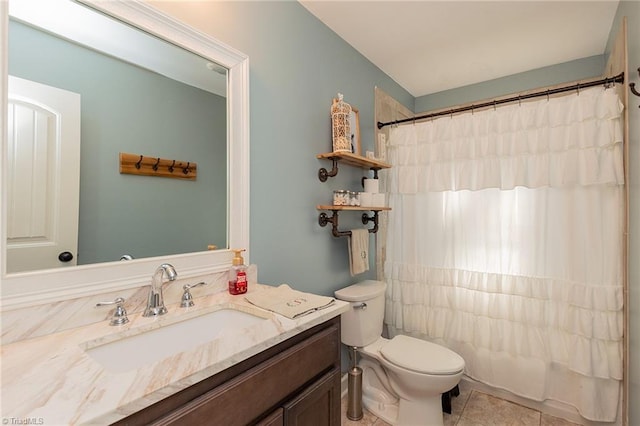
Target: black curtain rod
[[617, 79]]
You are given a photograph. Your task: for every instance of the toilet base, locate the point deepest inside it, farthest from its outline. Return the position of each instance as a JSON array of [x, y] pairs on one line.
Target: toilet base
[[426, 412], [379, 399], [382, 410], [407, 413]]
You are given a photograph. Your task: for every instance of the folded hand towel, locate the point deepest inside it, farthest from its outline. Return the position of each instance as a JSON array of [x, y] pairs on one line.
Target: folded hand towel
[[286, 301], [359, 251]]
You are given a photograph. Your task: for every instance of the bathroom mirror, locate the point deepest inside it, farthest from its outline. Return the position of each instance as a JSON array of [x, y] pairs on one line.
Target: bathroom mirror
[[156, 100], [154, 194]]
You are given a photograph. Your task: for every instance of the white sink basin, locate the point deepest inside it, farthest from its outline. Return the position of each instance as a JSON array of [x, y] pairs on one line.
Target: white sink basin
[[147, 347]]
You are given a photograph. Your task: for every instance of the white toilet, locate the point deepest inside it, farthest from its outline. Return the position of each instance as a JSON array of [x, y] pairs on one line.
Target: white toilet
[[403, 378]]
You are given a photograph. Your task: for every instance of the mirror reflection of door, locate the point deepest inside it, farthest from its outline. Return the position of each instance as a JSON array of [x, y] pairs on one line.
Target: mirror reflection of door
[[43, 176]]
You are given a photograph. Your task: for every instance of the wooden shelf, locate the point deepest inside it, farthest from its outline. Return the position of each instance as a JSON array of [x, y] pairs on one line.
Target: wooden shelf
[[323, 174], [355, 160], [351, 208], [351, 160]]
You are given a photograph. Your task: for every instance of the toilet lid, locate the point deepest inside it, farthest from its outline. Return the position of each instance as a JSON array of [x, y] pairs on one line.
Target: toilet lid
[[421, 356]]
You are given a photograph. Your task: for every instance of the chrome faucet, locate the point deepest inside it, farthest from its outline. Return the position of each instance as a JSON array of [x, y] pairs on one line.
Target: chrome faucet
[[155, 304]]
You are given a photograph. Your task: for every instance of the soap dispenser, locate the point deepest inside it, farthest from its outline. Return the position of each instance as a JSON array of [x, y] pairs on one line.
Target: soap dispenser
[[238, 274]]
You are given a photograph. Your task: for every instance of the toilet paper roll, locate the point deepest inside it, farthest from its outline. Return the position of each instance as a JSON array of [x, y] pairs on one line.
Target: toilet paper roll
[[371, 185], [366, 199], [378, 200]]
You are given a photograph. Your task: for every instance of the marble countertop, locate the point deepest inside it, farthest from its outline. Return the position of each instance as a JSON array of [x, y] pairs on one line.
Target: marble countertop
[[52, 380]]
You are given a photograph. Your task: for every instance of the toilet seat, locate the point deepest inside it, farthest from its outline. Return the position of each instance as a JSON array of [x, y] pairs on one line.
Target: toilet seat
[[421, 356]]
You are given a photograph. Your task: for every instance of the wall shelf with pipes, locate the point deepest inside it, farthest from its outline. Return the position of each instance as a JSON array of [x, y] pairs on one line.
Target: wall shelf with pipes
[[350, 159], [146, 165], [324, 219]]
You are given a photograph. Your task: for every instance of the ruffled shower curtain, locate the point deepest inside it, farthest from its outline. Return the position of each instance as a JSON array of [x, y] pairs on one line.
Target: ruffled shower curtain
[[505, 243]]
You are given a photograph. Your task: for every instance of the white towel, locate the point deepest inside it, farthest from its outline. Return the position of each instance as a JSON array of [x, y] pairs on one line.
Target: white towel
[[359, 251], [286, 301]]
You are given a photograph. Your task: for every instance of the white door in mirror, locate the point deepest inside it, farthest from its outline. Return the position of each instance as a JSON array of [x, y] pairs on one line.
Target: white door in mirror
[[43, 176]]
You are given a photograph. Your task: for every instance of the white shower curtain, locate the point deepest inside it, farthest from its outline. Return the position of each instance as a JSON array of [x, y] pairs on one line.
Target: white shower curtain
[[505, 243]]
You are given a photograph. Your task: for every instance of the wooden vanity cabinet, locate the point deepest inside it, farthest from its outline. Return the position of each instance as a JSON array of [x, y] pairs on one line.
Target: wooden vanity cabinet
[[296, 382], [316, 404]]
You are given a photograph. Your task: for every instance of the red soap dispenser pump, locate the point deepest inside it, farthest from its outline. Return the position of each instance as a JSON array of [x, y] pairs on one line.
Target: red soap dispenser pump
[[238, 274]]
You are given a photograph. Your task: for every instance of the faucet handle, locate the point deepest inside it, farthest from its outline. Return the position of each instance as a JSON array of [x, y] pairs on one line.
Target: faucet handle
[[187, 298], [120, 314]]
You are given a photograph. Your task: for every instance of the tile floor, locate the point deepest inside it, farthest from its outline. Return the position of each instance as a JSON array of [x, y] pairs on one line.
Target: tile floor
[[474, 408]]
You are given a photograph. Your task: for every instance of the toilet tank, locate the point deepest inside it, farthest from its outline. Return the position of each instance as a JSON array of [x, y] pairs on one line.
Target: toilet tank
[[362, 323]]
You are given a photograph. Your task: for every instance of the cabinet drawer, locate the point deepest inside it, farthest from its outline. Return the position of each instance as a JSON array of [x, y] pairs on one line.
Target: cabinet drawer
[[258, 390], [317, 405], [274, 419]]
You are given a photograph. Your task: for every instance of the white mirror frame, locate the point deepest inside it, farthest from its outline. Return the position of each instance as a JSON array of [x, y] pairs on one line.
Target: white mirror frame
[[31, 288]]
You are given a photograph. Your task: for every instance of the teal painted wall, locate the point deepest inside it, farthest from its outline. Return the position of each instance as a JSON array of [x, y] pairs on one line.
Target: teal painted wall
[[297, 65], [631, 10], [126, 214]]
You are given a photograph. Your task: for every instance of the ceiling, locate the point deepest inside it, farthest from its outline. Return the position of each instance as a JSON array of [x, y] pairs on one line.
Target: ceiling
[[430, 46]]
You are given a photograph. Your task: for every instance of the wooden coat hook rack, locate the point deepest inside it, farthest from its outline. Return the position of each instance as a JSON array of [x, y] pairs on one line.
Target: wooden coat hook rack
[[137, 164]]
